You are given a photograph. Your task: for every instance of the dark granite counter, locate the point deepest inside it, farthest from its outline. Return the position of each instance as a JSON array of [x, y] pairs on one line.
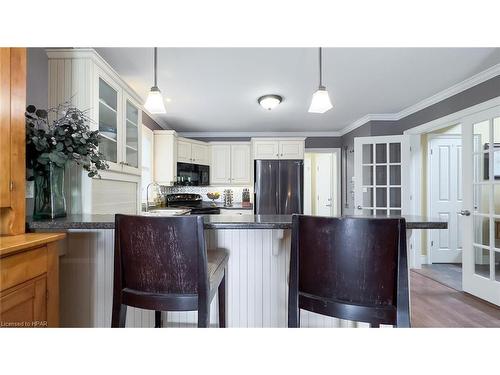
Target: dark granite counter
[[211, 222]]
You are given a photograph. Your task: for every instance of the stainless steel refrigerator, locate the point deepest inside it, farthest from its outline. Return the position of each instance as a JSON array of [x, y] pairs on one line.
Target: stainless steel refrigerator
[[279, 187]]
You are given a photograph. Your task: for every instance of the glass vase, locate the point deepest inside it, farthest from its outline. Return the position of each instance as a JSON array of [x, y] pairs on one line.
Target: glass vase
[[50, 201]]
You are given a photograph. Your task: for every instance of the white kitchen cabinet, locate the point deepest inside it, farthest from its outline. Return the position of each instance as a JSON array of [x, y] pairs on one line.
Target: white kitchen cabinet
[[184, 151], [165, 157], [241, 164], [230, 164], [200, 154], [191, 151], [220, 171], [81, 77], [278, 148], [265, 149]]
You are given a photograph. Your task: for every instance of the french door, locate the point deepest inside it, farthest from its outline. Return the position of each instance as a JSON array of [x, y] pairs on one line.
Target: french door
[[481, 204], [380, 167]]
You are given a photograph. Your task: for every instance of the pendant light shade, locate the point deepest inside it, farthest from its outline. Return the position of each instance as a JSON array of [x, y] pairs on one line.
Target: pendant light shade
[[154, 103], [320, 102]]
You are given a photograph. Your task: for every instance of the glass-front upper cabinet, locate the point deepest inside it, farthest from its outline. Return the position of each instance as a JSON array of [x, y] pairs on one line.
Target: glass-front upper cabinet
[[119, 119], [108, 119], [132, 135]]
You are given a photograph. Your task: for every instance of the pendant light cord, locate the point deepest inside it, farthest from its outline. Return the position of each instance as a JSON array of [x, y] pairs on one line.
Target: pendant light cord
[[155, 65], [320, 68]]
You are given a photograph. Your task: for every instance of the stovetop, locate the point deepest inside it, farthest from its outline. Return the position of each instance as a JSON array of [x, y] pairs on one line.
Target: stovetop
[[192, 201]]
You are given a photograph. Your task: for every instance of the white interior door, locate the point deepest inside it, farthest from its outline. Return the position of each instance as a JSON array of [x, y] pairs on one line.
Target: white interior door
[[379, 173], [445, 198], [481, 205], [324, 188]]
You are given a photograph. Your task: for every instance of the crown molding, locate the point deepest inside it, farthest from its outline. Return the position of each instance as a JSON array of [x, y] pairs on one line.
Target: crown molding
[[91, 53], [257, 134], [436, 98]]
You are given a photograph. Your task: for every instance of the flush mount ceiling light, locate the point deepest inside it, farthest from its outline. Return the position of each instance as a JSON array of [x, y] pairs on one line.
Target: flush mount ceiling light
[[320, 102], [154, 103], [270, 101]]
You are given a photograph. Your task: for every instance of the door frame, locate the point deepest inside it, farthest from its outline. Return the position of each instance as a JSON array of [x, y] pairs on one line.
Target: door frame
[[428, 185], [338, 174], [415, 194]]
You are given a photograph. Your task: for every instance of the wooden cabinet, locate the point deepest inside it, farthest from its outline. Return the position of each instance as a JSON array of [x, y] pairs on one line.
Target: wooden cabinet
[[231, 164], [278, 148], [12, 140], [190, 151], [29, 271]]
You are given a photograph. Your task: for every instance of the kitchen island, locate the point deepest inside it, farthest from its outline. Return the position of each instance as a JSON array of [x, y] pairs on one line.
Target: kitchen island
[[259, 248]]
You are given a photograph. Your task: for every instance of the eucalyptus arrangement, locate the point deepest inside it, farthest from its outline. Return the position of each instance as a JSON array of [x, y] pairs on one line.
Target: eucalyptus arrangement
[[52, 144]]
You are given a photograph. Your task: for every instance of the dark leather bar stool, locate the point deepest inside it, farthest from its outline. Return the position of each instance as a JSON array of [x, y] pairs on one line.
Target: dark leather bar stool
[[161, 264], [349, 268]]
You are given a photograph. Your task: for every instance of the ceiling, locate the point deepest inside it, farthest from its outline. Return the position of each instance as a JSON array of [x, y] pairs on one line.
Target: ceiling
[[216, 89]]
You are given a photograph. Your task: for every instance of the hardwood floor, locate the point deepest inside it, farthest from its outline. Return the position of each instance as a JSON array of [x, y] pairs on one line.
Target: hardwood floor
[[436, 305], [449, 274]]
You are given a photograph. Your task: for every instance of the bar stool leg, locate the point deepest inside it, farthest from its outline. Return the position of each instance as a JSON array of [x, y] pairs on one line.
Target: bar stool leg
[[158, 319], [222, 302]]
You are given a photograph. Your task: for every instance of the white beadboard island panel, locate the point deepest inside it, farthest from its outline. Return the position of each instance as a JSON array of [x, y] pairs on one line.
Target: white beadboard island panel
[[257, 282]]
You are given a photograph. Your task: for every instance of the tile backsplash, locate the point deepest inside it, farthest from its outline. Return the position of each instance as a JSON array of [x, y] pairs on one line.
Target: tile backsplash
[[203, 190]]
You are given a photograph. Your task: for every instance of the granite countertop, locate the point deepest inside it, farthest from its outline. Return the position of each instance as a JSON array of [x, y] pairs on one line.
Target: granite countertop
[[83, 221], [235, 206]]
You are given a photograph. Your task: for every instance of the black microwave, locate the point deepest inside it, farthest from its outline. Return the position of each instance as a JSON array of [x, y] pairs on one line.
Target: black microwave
[[193, 174]]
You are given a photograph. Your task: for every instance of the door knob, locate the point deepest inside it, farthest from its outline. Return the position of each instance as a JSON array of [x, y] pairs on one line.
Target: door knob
[[464, 212], [359, 208]]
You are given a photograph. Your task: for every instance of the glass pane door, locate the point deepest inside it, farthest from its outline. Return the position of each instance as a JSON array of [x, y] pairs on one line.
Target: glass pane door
[[378, 186], [108, 119], [482, 205], [131, 135]]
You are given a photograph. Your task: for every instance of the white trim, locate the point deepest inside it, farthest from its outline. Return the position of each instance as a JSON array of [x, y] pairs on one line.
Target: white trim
[[258, 134], [436, 98], [423, 259], [367, 118], [453, 117], [338, 175]]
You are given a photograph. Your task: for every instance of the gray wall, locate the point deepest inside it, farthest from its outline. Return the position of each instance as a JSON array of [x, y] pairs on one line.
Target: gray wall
[[37, 80], [480, 93]]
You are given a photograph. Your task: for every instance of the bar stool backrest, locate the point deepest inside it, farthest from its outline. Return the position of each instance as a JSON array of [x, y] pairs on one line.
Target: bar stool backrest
[[351, 268]]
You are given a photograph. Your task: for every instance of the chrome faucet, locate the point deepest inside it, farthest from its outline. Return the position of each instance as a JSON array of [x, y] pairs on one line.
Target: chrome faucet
[[147, 193]]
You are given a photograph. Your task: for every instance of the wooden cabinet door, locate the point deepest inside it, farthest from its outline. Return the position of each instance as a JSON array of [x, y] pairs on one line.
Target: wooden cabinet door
[[199, 154], [220, 172], [291, 149], [5, 150], [240, 164], [184, 152], [25, 305], [266, 149]]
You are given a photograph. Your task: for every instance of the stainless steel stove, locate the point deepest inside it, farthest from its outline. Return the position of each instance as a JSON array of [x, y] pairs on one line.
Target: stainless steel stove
[[194, 202]]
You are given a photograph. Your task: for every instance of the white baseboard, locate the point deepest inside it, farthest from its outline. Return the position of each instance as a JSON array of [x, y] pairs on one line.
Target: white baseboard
[[424, 259]]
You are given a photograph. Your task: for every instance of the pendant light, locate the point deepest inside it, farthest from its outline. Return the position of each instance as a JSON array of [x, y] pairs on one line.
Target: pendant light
[[154, 103], [320, 102]]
